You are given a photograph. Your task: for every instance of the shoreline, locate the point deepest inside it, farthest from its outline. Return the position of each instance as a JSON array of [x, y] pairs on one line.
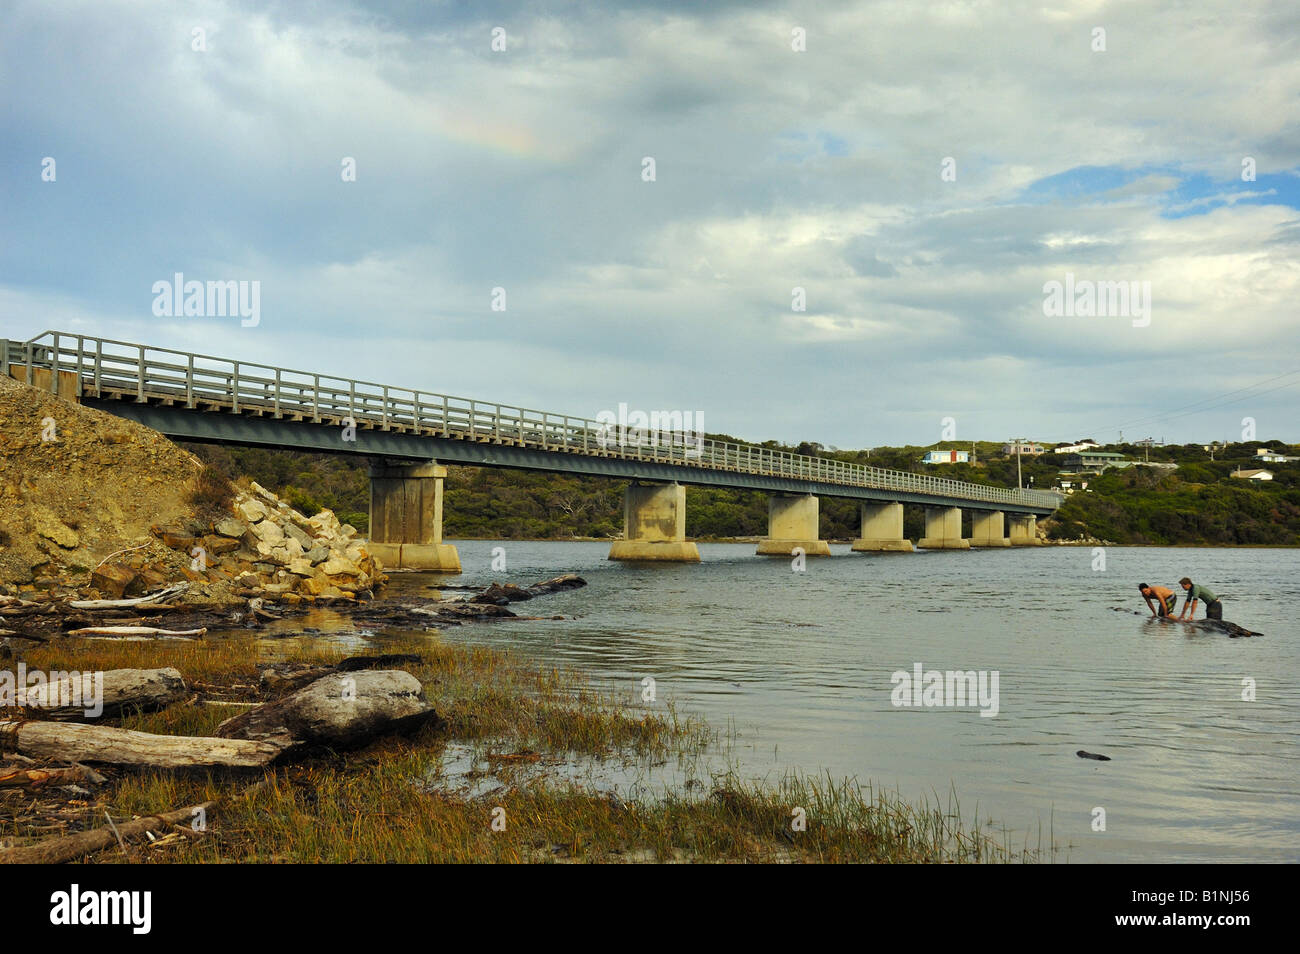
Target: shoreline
[[846, 542], [525, 732]]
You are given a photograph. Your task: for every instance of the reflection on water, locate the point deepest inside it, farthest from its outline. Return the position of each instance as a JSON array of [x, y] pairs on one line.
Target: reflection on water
[[798, 666]]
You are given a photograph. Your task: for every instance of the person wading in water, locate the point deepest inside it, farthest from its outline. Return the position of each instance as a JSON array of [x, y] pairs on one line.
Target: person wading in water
[[1165, 599], [1213, 608]]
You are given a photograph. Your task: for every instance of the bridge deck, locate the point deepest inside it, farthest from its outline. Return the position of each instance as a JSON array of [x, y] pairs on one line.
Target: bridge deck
[[203, 398]]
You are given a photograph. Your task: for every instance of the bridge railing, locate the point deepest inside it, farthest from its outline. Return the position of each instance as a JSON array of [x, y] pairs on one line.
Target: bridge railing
[[126, 370]]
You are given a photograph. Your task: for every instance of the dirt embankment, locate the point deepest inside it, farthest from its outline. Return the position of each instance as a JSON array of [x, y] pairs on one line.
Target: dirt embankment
[[95, 505], [77, 484]]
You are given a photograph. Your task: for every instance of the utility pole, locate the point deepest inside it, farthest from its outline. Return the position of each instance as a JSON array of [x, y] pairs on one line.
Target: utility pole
[[1018, 441]]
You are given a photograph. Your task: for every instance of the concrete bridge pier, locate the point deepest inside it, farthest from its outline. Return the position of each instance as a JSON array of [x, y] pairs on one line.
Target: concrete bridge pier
[[792, 522], [988, 529], [1024, 530], [943, 530], [881, 528], [406, 517], [654, 525]]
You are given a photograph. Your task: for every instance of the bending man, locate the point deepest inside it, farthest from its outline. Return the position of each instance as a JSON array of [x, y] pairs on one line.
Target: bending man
[[1213, 608], [1165, 599]]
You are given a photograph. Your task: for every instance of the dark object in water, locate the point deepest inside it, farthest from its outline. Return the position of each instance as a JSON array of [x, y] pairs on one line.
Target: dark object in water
[[499, 594], [1223, 626], [422, 613], [1232, 630], [1092, 755]]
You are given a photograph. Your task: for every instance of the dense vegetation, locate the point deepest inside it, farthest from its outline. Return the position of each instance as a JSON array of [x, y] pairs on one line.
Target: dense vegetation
[[1199, 503]]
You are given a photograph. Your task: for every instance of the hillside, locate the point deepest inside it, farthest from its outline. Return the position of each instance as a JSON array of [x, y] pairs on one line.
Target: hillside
[[93, 505], [1197, 504], [78, 484]]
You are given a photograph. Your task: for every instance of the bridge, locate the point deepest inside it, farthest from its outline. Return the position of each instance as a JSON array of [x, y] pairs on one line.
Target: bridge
[[409, 436]]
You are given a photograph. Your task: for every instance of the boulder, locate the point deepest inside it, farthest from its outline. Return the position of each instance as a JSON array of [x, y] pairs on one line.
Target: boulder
[[112, 581], [174, 538], [337, 710], [230, 527], [339, 566], [219, 544], [500, 594], [265, 494], [318, 554], [252, 510], [284, 676], [300, 566], [312, 586], [325, 523], [269, 531], [295, 532]]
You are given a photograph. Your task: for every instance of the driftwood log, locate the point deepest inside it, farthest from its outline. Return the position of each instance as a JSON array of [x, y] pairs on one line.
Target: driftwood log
[[338, 710], [118, 690], [139, 601], [96, 743], [58, 850], [139, 631], [12, 776]]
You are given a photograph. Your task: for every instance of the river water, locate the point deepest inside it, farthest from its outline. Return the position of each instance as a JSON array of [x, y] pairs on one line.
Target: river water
[[798, 668]]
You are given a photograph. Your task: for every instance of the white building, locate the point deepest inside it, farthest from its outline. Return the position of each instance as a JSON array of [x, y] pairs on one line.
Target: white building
[[946, 457], [1075, 448], [1266, 456], [1253, 474]]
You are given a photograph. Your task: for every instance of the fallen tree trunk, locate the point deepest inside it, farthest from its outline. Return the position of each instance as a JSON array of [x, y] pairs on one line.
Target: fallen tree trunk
[[58, 850], [14, 776], [137, 631], [111, 693], [96, 743], [132, 601]]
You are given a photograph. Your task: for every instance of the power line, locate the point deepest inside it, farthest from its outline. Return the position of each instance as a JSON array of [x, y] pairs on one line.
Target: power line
[[1196, 409], [1233, 401]]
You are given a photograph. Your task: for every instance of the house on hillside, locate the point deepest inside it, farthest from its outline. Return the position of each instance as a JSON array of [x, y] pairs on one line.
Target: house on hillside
[[946, 457], [1086, 444], [1253, 474], [1023, 448], [1094, 462], [1265, 456]]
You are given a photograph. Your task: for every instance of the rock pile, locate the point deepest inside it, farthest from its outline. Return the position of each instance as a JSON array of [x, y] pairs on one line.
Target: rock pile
[[268, 547]]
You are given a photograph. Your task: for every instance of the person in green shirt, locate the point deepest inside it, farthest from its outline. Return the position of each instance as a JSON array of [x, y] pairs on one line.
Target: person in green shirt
[[1213, 608]]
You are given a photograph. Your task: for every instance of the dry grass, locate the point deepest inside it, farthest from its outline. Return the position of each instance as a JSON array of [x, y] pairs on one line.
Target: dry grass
[[383, 803]]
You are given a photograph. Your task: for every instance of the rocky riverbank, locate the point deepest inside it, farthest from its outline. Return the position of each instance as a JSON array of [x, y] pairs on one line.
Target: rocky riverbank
[[94, 507]]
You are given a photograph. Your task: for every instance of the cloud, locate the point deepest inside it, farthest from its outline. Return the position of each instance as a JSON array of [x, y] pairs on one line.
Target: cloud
[[775, 169]]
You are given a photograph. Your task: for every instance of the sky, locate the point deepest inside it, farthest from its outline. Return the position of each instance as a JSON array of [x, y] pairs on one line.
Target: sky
[[854, 219]]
